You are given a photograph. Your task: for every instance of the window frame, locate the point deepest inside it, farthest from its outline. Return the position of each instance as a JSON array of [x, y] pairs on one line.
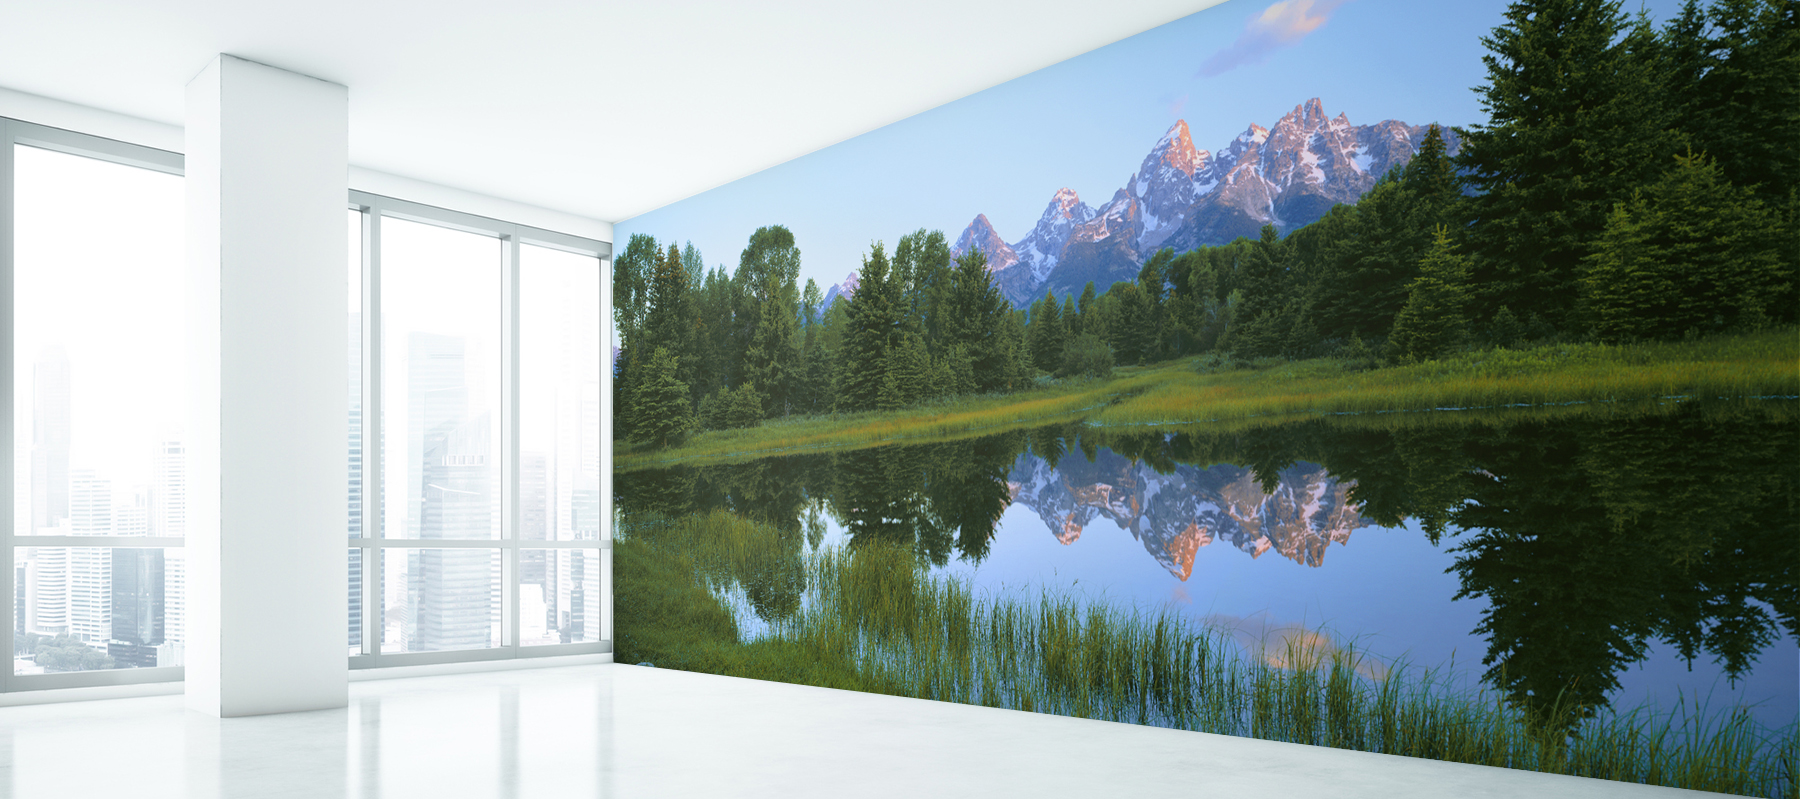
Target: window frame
[[373, 208], [13, 133]]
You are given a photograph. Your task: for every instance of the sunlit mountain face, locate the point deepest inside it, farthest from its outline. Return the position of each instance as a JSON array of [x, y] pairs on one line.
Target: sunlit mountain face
[[1287, 175]]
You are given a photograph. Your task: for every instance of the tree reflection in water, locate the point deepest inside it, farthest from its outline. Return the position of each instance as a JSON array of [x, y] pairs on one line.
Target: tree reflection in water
[[1591, 537]]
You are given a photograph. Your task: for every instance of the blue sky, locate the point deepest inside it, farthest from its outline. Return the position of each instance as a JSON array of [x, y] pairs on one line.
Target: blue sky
[[1086, 123]]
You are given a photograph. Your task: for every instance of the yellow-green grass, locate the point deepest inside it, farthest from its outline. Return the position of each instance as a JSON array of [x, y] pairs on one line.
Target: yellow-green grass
[[873, 619], [1187, 392], [1736, 367], [947, 419]]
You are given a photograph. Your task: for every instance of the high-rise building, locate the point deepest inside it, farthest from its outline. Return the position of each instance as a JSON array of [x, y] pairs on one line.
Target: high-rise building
[[455, 586], [137, 606], [452, 480], [90, 568], [50, 435], [47, 587], [437, 394], [131, 514], [174, 598], [168, 489], [536, 580], [168, 517]]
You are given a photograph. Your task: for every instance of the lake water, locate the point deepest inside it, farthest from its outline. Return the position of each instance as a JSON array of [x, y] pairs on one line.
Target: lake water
[[1643, 556]]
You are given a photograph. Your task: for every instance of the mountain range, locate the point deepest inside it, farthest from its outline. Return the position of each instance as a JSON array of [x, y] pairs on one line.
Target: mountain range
[[1174, 515], [1287, 175]]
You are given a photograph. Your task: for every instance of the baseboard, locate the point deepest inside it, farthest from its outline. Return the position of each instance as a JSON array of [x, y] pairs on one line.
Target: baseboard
[[51, 696], [471, 667]]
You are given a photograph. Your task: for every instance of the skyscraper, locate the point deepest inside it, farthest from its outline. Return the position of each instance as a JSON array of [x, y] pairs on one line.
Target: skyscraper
[[90, 568], [47, 588], [137, 606], [451, 477], [174, 606], [168, 489], [168, 517], [455, 586]]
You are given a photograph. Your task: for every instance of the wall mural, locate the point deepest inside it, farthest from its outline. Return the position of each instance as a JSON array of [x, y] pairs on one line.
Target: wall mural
[[1429, 385]]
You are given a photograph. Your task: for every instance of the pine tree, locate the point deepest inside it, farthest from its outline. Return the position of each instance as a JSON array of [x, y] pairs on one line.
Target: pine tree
[[1432, 323], [1691, 253], [973, 317], [1153, 280], [1085, 306], [1132, 332], [1267, 316], [631, 281], [1381, 240], [670, 321], [1012, 359], [873, 323], [905, 374], [1734, 78], [1576, 120], [769, 315], [1046, 334], [694, 265], [660, 409]]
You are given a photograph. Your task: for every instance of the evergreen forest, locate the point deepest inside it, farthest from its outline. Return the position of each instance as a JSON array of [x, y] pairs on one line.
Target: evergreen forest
[[1632, 182]]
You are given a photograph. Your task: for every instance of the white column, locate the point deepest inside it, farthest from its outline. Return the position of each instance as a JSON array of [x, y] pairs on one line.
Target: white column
[[267, 178]]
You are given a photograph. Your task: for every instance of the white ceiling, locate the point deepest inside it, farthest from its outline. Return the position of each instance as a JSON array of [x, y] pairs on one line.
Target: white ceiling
[[602, 109]]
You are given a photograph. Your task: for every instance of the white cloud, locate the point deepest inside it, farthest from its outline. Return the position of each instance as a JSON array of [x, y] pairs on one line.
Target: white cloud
[[1280, 25]]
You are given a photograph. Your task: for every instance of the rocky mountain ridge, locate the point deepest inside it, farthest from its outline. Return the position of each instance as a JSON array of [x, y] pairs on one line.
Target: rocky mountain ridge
[[1182, 197]]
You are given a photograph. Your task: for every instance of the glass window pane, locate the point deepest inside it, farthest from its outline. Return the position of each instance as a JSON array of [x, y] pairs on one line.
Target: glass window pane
[[440, 315], [559, 596], [356, 605], [559, 395], [94, 608], [354, 369], [437, 599], [99, 350]]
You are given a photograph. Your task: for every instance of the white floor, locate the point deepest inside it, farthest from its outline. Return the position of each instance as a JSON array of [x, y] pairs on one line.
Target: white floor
[[625, 731]]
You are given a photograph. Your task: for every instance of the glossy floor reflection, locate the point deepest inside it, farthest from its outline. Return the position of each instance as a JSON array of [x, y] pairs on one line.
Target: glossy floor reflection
[[639, 732]]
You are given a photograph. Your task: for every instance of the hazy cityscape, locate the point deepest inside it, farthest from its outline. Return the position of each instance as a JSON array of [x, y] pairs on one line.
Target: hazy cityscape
[[88, 608]]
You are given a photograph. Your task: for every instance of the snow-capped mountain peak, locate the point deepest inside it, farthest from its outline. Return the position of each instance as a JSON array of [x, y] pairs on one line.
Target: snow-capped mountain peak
[[1183, 197]]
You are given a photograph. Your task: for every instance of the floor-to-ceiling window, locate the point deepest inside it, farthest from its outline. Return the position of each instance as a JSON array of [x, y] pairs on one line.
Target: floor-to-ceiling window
[[91, 247], [474, 357], [474, 400]]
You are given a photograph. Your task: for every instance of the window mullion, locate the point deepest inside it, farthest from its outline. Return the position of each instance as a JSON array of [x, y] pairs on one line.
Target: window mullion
[[373, 453], [509, 442], [7, 443]]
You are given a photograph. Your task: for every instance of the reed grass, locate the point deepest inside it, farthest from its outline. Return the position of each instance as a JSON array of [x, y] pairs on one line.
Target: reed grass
[[872, 618], [1572, 378]]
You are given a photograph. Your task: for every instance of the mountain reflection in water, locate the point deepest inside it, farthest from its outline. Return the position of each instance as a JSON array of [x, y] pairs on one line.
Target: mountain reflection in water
[[1177, 513], [1587, 541]]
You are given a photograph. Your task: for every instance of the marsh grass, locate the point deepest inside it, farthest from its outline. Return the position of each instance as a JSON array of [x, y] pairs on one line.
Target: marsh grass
[[1059, 401], [871, 618], [1732, 367], [1552, 379]]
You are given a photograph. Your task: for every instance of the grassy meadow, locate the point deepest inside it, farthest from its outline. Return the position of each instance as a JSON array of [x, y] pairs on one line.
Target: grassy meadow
[[872, 619], [1207, 390]]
